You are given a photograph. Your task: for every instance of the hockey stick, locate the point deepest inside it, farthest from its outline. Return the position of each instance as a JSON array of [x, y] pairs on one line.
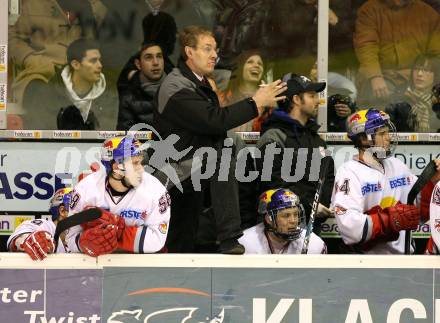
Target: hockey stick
[[326, 162], [423, 178], [75, 219]]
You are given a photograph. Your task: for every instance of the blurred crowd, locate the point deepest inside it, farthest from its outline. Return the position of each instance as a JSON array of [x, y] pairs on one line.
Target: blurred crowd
[[98, 63]]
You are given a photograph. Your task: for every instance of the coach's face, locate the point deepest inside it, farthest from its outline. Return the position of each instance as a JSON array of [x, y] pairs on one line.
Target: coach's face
[[203, 56]]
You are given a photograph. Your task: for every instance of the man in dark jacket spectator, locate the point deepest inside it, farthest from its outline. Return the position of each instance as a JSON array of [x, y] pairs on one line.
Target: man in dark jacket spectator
[[189, 108], [136, 102], [293, 127], [75, 96]]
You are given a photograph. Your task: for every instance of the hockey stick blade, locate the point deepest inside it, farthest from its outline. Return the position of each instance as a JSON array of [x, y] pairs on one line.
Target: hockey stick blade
[[423, 178], [316, 199], [76, 219]]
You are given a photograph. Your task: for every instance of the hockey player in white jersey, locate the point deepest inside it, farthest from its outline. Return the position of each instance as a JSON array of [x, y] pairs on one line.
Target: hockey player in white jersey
[[35, 237], [433, 246], [370, 193], [283, 228], [135, 206]]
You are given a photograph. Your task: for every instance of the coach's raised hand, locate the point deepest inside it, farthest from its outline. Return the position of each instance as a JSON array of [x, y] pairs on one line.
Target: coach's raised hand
[[268, 94]]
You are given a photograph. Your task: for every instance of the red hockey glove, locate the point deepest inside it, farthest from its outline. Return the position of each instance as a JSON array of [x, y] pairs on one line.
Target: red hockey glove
[[121, 227], [389, 221], [99, 240], [38, 244], [404, 217], [106, 218]]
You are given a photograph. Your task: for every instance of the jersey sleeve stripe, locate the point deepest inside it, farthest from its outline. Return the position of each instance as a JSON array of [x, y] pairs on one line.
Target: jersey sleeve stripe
[[77, 241], [142, 238], [13, 238], [367, 231]]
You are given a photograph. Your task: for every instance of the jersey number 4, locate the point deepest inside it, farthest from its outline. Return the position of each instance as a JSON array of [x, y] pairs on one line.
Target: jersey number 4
[[345, 187]]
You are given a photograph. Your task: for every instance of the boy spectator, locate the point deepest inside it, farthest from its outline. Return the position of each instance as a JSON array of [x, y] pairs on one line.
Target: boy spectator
[[159, 28], [136, 102], [76, 93], [45, 28]]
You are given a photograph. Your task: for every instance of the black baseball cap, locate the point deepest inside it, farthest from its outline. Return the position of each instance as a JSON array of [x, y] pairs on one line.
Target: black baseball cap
[[297, 84]]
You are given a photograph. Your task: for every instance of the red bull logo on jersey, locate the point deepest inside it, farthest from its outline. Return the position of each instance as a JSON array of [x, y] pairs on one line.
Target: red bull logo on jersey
[[133, 214], [371, 188], [355, 117]]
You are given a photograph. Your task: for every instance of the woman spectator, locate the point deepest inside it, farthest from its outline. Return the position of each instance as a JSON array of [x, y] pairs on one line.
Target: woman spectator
[[417, 99], [245, 79]]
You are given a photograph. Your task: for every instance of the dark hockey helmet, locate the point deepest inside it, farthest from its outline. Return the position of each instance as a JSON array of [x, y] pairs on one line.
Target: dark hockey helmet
[[272, 202]]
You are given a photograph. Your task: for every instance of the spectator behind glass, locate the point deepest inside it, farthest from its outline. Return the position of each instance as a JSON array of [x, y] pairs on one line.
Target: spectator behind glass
[[136, 102], [340, 101], [244, 83], [339, 107], [412, 112], [160, 29], [39, 38], [389, 35], [76, 93]]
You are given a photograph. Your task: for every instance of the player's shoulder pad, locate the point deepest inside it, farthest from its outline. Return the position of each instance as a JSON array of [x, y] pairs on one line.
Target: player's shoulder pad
[[397, 163], [151, 185], [349, 166], [91, 182]]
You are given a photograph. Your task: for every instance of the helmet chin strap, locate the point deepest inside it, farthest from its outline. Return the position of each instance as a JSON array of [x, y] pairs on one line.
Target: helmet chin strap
[[284, 236]]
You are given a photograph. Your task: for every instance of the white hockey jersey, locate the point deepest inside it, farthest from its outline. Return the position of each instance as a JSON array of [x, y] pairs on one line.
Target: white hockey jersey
[[31, 226], [145, 209], [255, 242], [434, 221], [358, 188]]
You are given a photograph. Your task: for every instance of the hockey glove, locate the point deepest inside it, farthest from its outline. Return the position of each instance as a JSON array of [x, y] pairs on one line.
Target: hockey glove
[[38, 244], [404, 217], [389, 221], [106, 218], [99, 240]]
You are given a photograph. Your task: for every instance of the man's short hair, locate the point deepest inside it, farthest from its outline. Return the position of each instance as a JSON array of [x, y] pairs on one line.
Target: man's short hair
[[78, 48], [145, 46], [188, 37], [287, 104]]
